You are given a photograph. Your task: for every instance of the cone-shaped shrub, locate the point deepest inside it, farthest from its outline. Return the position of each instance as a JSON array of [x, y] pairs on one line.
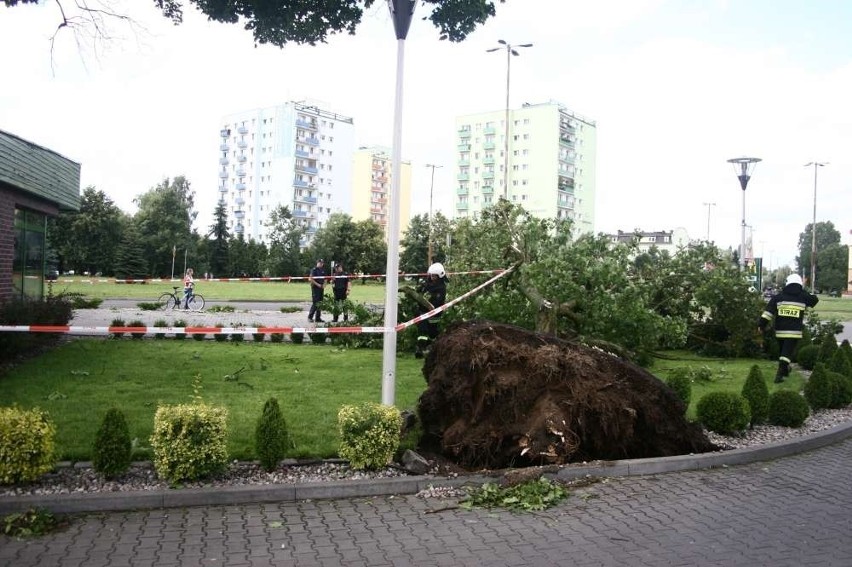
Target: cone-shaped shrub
[[113, 448], [724, 412], [819, 389], [681, 383], [806, 340], [840, 363], [807, 357], [842, 392], [787, 408], [827, 348], [757, 394], [271, 438]]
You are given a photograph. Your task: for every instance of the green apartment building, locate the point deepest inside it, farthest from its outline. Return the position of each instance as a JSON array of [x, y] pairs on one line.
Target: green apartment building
[[546, 164]]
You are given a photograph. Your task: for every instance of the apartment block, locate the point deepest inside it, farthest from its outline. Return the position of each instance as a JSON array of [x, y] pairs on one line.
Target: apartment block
[[295, 154], [543, 158], [372, 177]]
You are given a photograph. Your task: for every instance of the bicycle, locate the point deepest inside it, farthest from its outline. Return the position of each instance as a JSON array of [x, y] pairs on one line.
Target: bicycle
[[174, 300]]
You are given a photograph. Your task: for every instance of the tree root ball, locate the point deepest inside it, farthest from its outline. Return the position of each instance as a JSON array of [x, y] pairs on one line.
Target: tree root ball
[[501, 396]]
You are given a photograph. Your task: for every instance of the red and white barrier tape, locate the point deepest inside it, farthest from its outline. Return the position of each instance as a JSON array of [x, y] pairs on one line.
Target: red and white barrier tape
[[268, 279]]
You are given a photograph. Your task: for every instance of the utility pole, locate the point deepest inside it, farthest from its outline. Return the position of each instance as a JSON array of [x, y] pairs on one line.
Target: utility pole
[[816, 165], [708, 205], [431, 188]]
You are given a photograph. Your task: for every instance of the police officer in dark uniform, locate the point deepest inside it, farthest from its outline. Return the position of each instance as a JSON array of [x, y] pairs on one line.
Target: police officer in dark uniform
[[317, 281], [435, 290], [787, 309], [341, 288]]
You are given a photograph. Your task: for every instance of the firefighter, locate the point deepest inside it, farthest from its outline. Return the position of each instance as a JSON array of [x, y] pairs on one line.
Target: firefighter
[[787, 310], [435, 291]]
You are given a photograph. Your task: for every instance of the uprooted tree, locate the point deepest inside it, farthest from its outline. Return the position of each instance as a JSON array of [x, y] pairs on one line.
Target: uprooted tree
[[501, 396]]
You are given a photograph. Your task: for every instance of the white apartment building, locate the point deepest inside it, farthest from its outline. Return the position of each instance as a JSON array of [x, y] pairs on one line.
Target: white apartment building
[[672, 241], [372, 177], [546, 164], [294, 154]]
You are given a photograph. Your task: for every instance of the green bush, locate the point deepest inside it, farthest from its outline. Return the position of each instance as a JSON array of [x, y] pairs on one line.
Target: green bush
[[787, 408], [179, 323], [198, 336], [53, 310], [297, 338], [189, 441], [681, 383], [806, 340], [842, 392], [318, 338], [757, 394], [220, 337], [807, 356], [826, 348], [723, 412], [137, 323], [160, 323], [369, 434], [26, 444], [840, 363], [237, 337], [271, 438], [276, 337], [113, 448], [819, 389], [846, 348], [117, 323], [258, 337]]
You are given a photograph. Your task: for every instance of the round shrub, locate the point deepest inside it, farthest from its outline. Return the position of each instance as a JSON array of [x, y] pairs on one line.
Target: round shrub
[[787, 408], [807, 356], [840, 363], [137, 323], [276, 337], [757, 394], [189, 441], [369, 434], [681, 383], [297, 338], [271, 438], [113, 448], [723, 412], [26, 444], [842, 392], [318, 338], [819, 389]]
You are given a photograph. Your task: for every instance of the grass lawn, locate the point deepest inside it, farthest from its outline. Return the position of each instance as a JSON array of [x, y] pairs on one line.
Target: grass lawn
[[370, 292], [79, 381], [834, 308]]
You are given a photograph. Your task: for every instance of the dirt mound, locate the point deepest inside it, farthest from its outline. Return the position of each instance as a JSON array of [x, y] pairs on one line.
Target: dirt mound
[[501, 396]]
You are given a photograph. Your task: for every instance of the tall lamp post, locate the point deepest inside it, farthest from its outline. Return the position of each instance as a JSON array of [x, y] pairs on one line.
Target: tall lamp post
[[816, 165], [431, 188], [743, 166], [510, 51], [708, 205]]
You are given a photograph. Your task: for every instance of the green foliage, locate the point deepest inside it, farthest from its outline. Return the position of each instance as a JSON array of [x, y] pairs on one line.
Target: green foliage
[[220, 337], [198, 336], [189, 441], [26, 444], [271, 437], [840, 362], [807, 356], [787, 408], [842, 392], [258, 337], [160, 323], [318, 338], [237, 337], [819, 389], [221, 309], [179, 323], [680, 381], [148, 306], [117, 323], [80, 301], [164, 219], [276, 337], [218, 248], [297, 338], [530, 496], [827, 346], [130, 256], [52, 310], [113, 448], [724, 412], [369, 434], [806, 340], [30, 523], [137, 323], [757, 394]]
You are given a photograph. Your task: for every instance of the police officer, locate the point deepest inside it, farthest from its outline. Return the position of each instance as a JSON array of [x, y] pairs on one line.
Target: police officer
[[435, 290], [341, 287], [317, 281], [787, 309]]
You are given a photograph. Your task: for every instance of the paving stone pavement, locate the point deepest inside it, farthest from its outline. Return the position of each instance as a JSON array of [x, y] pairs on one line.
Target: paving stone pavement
[[791, 512]]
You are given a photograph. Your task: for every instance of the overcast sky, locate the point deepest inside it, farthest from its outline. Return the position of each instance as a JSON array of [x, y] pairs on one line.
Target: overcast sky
[[676, 88]]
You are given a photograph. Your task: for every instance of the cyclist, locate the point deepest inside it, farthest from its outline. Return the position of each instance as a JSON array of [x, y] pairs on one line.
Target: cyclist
[[188, 285]]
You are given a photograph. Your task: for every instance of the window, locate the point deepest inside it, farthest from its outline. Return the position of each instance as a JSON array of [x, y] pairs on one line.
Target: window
[[28, 261]]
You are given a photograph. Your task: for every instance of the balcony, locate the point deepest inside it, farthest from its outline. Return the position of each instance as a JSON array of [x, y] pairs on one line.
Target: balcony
[[307, 168], [487, 189], [488, 175], [488, 161], [489, 130], [464, 134], [239, 215], [464, 162], [299, 183], [306, 124], [461, 191], [300, 214], [489, 145], [242, 144], [380, 200], [239, 228], [302, 154], [566, 141], [239, 201], [223, 161], [312, 141], [223, 189], [377, 210], [461, 206], [463, 177], [241, 173], [464, 147], [242, 130], [223, 147], [223, 174], [241, 186], [241, 158], [312, 200]]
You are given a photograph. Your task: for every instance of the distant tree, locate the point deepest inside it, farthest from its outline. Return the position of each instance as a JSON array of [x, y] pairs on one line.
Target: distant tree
[[285, 233], [282, 21], [415, 242], [246, 257], [335, 241], [218, 238], [371, 248], [164, 220], [826, 236], [131, 262], [832, 267], [87, 240]]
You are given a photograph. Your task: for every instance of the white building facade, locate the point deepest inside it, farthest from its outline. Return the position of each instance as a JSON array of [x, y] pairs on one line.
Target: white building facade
[[672, 241], [295, 154], [546, 163]]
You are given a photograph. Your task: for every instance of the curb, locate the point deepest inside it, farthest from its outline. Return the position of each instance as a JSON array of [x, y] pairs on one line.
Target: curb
[[219, 496]]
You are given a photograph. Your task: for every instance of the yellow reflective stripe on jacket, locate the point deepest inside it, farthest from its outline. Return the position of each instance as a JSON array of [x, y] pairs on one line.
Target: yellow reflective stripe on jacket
[[766, 315], [790, 308], [788, 334]]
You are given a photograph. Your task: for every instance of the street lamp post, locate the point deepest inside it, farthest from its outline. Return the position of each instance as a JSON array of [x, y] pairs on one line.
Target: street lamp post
[[510, 51], [743, 166], [708, 205], [816, 165], [431, 188]]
